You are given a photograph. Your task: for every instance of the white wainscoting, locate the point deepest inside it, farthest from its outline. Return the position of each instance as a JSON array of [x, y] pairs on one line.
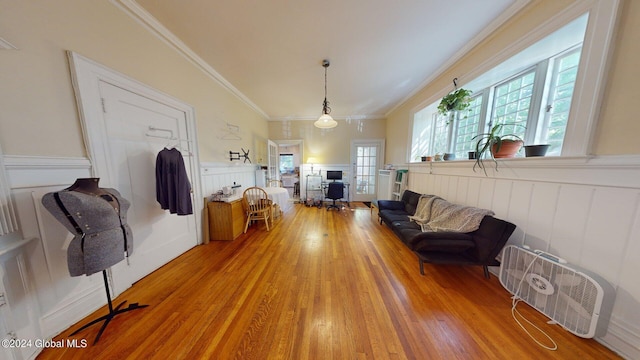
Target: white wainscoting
[[586, 210], [63, 300], [216, 175]]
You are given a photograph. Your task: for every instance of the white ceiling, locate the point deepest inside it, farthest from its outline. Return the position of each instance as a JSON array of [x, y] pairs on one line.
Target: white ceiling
[[381, 51]]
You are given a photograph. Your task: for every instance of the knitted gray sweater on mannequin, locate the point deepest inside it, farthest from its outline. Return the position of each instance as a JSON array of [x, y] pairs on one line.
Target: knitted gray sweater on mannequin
[[97, 217]]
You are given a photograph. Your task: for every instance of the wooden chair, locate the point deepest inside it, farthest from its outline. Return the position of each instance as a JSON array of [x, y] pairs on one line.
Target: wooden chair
[[274, 183], [257, 206]]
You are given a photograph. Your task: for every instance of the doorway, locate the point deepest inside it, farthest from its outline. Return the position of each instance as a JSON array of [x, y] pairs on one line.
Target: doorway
[[366, 158], [290, 161]]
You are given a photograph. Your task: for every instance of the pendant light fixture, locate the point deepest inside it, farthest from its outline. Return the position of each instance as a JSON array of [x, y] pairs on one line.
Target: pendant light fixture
[[325, 121]]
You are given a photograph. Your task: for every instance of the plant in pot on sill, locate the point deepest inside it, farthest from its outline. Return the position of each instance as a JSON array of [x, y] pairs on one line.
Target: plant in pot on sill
[[536, 150], [493, 145], [457, 100]]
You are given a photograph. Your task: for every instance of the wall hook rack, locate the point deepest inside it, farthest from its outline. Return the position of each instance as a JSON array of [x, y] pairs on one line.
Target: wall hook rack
[[233, 155]]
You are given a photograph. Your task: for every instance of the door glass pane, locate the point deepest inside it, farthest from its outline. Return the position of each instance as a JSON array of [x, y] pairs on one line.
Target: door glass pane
[[365, 169]]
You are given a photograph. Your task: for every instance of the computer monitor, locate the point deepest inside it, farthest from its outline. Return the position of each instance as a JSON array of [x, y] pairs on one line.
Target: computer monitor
[[334, 175]]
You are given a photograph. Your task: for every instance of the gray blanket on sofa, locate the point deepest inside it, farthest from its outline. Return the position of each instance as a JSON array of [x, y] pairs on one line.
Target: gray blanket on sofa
[[434, 213]]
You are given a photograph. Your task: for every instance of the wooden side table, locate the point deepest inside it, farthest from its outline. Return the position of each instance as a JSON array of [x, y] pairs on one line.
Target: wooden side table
[[226, 219]]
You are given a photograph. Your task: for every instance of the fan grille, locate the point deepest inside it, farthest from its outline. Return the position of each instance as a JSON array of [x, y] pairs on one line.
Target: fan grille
[[574, 299]]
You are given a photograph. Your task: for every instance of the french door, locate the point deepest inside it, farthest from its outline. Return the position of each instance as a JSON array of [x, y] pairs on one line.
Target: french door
[[273, 168], [367, 157]]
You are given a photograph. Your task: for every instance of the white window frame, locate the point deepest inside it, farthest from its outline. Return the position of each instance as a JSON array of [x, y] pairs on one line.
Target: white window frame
[[545, 114], [592, 71]]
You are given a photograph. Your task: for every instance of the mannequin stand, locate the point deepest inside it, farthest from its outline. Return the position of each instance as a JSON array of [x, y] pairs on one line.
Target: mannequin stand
[[112, 312]]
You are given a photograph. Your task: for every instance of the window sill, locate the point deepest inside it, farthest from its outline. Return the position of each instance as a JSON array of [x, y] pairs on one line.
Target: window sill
[[607, 170]]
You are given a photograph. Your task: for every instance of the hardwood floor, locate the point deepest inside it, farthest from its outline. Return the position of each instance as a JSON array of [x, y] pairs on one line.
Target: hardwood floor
[[320, 285]]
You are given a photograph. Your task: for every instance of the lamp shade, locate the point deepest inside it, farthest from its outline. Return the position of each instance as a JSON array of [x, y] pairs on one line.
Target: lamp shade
[[325, 122]]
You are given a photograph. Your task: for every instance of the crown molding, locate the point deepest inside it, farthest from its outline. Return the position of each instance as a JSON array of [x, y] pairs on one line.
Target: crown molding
[[135, 11], [493, 26], [5, 45]]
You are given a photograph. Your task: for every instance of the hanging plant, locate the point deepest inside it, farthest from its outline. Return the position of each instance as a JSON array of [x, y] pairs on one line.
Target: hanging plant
[[458, 100]]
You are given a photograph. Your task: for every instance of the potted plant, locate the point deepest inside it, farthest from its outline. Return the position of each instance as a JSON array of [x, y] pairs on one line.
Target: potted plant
[[536, 150], [493, 145], [457, 100]]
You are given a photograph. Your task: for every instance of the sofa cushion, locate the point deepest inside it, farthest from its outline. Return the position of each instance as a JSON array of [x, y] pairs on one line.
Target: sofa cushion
[[390, 205], [410, 200], [445, 241], [406, 225], [491, 236], [391, 216]]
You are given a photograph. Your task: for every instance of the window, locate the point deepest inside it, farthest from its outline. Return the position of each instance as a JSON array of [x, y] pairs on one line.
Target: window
[[512, 102], [467, 126], [556, 114], [517, 103], [286, 163], [532, 92]]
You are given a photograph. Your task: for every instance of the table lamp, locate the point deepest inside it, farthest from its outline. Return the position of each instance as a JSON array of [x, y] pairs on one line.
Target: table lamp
[[311, 161]]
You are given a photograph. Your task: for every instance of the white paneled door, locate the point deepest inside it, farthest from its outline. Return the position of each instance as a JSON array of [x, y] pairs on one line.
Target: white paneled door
[[137, 129], [126, 124]]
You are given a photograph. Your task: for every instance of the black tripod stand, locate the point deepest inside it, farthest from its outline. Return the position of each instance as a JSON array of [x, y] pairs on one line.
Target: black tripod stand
[[112, 312]]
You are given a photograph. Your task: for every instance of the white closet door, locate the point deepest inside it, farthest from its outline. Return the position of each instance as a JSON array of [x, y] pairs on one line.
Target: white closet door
[[135, 129]]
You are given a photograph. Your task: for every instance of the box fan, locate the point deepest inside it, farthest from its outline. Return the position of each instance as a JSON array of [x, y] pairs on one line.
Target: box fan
[[577, 300]]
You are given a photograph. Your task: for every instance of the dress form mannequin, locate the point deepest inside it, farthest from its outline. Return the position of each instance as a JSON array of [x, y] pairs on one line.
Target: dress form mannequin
[[89, 186], [86, 185], [97, 218]]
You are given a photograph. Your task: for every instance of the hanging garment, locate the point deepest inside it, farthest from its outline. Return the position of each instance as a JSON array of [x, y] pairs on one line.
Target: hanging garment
[[102, 235], [173, 189]]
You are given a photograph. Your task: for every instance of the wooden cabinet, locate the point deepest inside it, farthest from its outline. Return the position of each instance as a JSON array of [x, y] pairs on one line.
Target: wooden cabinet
[[226, 219]]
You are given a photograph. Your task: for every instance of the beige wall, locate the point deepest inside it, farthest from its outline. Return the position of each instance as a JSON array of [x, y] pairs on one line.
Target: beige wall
[[617, 125], [39, 114], [330, 146]]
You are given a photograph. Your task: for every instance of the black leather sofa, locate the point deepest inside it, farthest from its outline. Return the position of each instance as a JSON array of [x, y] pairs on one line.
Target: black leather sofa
[[479, 247]]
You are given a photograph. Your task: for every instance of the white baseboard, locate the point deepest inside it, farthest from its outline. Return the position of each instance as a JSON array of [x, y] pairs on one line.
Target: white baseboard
[[59, 319]]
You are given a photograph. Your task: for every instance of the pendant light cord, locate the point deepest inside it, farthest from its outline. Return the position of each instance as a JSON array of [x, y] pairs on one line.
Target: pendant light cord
[[325, 106]]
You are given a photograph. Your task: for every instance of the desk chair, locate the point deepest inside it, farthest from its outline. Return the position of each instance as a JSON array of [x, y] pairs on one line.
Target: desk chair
[[335, 192], [257, 206]]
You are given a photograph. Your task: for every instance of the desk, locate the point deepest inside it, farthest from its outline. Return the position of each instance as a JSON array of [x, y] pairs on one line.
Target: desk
[[279, 196]]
